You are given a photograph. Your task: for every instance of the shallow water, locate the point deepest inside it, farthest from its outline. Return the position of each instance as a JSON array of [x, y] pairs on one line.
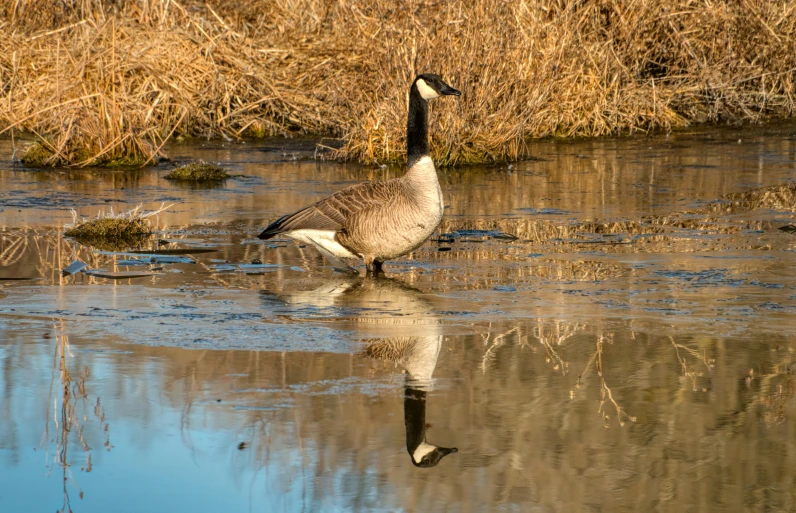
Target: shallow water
[[607, 328]]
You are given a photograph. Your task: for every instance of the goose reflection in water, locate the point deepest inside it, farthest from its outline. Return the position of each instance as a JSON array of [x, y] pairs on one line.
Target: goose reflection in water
[[402, 328]]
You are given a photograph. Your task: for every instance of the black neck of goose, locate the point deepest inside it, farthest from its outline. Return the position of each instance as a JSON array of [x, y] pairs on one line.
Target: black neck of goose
[[416, 127], [414, 418]]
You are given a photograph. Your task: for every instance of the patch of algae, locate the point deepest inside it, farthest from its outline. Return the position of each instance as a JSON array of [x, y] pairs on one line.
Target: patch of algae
[[201, 172], [111, 234]]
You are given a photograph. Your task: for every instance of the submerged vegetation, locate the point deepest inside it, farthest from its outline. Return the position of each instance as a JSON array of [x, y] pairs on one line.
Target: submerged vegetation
[[98, 81], [197, 172]]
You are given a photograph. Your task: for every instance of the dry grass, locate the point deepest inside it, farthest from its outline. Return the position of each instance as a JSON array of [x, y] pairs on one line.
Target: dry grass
[[201, 172], [102, 80]]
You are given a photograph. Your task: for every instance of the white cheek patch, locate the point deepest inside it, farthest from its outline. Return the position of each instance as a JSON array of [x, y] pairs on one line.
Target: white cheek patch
[[422, 450], [426, 91]]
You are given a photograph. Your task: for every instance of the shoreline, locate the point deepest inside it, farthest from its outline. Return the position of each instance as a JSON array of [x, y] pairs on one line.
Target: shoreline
[[112, 84]]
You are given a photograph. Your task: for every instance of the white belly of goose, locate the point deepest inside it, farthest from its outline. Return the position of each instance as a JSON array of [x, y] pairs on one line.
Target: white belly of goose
[[323, 239]]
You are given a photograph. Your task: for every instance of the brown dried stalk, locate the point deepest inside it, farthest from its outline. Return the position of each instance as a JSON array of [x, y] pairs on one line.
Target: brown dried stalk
[[112, 81]]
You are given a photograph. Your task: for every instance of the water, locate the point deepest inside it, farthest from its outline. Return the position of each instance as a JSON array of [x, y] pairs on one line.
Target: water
[[601, 329]]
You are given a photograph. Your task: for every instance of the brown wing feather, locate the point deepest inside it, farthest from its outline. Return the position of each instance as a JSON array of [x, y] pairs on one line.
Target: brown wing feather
[[332, 212]]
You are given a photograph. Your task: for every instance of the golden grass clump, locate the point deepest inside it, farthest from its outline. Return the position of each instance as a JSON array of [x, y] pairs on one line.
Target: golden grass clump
[[99, 80], [197, 172], [111, 228], [113, 232]]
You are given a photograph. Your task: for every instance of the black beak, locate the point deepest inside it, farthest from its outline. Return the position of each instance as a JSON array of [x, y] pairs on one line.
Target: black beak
[[444, 451], [448, 90]]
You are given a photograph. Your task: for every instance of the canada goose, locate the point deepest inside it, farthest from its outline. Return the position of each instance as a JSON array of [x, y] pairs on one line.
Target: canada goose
[[418, 355], [423, 453], [378, 221], [405, 331]]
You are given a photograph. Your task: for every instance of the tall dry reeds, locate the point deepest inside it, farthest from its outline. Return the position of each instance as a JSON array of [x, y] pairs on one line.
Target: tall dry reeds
[[99, 81]]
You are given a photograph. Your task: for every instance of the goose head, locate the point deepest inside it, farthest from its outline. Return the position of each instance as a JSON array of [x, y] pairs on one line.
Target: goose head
[[423, 453], [430, 85], [427, 455]]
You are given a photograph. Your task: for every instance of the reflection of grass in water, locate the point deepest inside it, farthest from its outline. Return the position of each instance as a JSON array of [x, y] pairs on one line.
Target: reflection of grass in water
[[775, 390], [335, 423], [65, 418], [12, 248], [41, 252], [657, 233], [776, 400], [688, 371], [551, 336], [605, 391]]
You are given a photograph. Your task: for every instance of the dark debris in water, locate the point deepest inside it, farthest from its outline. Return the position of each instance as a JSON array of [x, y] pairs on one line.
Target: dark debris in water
[[706, 277], [245, 268], [74, 267], [133, 262], [81, 267], [178, 251], [474, 236], [119, 275], [505, 288], [164, 242], [544, 211], [23, 199], [152, 257], [605, 239]]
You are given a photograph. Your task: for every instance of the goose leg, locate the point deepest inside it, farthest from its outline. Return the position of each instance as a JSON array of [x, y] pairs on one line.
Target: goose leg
[[374, 266]]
